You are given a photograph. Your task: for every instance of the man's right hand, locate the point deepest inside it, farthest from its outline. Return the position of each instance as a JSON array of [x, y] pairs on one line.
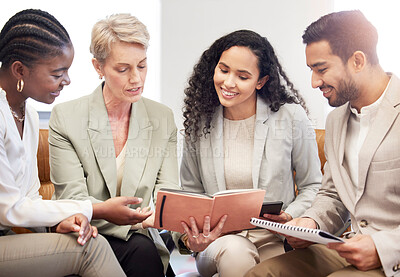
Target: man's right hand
[[302, 222], [116, 210]]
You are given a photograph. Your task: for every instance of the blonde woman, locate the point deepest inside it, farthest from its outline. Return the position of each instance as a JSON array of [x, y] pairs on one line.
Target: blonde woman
[[114, 142]]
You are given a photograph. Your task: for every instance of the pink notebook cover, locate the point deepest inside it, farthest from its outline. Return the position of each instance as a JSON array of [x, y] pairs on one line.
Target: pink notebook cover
[[174, 206]]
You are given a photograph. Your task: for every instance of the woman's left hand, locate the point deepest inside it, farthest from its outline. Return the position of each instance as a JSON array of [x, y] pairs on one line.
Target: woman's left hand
[[78, 223], [281, 218], [197, 241], [148, 222]]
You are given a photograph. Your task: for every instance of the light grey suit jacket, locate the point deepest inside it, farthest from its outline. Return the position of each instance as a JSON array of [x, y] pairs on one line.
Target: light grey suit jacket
[[375, 205], [283, 141], [82, 155]]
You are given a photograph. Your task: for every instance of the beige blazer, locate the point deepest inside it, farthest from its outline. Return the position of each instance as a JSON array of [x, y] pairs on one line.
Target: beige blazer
[[375, 205], [283, 141], [82, 155]]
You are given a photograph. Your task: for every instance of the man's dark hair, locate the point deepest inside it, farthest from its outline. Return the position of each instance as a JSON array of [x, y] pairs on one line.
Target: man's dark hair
[[346, 32]]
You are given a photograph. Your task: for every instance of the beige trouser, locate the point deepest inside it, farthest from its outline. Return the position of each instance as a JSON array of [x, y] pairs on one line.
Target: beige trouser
[[42, 254], [316, 260], [234, 255]]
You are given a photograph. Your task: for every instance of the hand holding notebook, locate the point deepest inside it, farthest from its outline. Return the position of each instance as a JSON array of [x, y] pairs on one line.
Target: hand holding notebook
[[175, 206]]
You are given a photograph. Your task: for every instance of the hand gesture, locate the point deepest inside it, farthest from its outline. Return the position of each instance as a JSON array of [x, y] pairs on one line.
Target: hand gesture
[[199, 241], [148, 222], [116, 210], [303, 222], [360, 251], [77, 223]]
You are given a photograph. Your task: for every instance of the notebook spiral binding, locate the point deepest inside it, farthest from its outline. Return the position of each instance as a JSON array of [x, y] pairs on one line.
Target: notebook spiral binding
[[283, 226]]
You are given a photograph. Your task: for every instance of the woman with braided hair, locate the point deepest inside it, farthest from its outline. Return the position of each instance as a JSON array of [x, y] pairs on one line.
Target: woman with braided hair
[[36, 53], [245, 127]]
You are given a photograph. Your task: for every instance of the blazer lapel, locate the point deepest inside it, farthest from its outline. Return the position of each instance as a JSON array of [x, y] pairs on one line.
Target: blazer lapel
[[99, 132], [138, 149], [217, 147], [385, 117], [260, 138], [339, 147], [342, 126]]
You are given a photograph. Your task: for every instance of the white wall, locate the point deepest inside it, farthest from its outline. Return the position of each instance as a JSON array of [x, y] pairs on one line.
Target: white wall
[[384, 15], [183, 29], [188, 27]]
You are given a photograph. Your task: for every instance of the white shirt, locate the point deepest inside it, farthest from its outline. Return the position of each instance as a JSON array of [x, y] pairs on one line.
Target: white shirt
[[20, 202], [358, 127]]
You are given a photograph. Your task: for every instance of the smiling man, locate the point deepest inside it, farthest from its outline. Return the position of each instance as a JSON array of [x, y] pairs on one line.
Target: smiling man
[[362, 172]]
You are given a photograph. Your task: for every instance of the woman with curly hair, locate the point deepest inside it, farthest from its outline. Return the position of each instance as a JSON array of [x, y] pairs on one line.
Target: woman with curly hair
[[245, 127]]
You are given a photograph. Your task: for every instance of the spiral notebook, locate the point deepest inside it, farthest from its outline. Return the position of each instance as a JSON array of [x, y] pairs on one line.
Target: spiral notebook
[[308, 234]]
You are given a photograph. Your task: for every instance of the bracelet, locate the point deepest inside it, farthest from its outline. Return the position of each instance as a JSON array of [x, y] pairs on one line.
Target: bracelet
[[52, 229], [185, 239], [183, 247]]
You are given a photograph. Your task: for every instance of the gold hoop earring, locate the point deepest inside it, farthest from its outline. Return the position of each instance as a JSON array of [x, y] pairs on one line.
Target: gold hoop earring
[[20, 85]]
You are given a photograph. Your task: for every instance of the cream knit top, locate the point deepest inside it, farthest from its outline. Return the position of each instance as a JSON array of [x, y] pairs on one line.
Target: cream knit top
[[238, 152]]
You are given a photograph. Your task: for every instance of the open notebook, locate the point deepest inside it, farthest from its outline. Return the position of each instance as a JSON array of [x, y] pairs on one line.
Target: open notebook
[[175, 206], [308, 234]]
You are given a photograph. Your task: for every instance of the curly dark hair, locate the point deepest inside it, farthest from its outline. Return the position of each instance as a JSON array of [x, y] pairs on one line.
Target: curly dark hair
[[201, 98]]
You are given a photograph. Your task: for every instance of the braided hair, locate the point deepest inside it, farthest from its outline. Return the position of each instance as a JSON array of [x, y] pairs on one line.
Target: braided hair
[[31, 35], [201, 98]]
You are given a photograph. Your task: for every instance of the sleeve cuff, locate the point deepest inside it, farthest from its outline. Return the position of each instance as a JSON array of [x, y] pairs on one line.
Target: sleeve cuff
[[87, 209]]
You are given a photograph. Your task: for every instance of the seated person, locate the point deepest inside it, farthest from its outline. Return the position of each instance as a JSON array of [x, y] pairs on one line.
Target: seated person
[[35, 54], [114, 142], [362, 170], [245, 127]]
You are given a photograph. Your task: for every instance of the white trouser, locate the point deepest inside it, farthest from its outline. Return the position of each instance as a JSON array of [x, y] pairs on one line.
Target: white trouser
[[42, 254], [234, 255]]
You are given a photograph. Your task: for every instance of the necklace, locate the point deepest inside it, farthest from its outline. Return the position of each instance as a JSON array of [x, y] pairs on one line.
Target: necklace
[[20, 119]]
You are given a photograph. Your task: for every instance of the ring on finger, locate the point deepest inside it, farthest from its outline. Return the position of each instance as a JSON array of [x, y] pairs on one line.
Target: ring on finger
[[206, 236], [195, 236]]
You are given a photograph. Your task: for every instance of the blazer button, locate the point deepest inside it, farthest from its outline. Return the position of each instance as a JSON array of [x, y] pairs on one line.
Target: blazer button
[[363, 223]]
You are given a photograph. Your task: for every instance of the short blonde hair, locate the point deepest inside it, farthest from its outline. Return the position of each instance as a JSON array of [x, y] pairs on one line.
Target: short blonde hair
[[117, 27]]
